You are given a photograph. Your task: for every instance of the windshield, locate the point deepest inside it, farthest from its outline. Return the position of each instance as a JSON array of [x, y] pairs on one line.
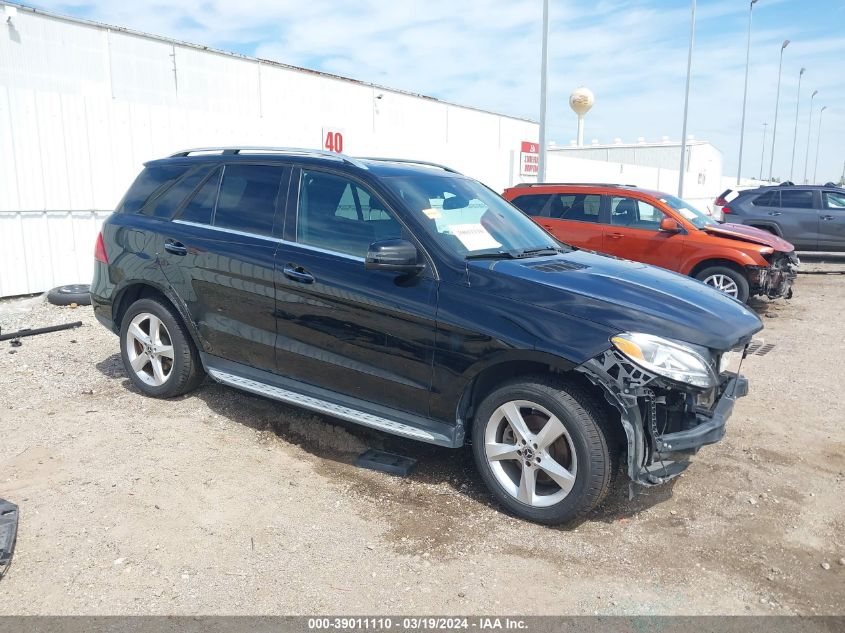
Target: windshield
[[466, 217], [690, 213]]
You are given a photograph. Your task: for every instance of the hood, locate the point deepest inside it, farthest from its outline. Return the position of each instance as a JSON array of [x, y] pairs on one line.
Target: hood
[[750, 234], [622, 295]]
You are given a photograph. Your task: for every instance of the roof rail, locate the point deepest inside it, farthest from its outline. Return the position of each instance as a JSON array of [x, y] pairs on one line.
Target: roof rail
[[411, 161], [257, 149], [574, 184]]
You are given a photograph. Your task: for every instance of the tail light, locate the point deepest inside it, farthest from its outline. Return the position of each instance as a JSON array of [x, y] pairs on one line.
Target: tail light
[[720, 202], [100, 250], [726, 210]]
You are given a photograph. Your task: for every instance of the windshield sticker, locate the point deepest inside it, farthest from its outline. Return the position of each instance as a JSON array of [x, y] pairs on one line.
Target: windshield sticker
[[688, 214], [474, 237], [432, 214]]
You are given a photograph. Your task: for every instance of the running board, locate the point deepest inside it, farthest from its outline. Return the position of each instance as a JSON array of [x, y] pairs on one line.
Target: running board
[[343, 412]]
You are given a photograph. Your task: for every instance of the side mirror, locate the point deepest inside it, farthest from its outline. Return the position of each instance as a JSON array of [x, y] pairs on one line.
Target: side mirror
[[670, 225], [396, 255]]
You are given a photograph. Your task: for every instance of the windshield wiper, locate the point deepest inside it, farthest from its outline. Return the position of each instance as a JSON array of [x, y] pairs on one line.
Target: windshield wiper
[[517, 253], [538, 250], [496, 255]]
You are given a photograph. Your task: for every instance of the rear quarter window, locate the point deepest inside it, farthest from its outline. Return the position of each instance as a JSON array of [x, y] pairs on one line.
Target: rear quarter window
[[150, 183], [165, 204], [533, 204]]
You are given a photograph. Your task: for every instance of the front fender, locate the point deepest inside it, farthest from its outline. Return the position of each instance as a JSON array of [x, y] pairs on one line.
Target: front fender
[[736, 256]]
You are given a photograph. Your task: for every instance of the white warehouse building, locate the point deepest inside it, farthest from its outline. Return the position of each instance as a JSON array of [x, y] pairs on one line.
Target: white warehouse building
[[84, 105], [703, 160]]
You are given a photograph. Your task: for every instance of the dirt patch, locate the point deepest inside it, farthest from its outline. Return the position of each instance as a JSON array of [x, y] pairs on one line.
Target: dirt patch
[[223, 502]]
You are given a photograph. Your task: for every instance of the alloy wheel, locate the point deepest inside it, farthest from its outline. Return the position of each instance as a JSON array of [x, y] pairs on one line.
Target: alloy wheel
[[723, 283], [530, 453], [149, 349]]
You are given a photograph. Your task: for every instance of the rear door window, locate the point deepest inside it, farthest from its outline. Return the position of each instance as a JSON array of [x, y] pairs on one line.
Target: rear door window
[[577, 207], [248, 197], [768, 199], [533, 205], [796, 199]]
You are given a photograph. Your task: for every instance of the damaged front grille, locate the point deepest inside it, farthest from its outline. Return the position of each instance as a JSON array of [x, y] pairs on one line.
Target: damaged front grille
[[775, 280], [664, 422]]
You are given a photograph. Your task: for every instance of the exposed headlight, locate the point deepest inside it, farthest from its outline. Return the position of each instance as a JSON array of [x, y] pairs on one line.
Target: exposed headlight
[[666, 357]]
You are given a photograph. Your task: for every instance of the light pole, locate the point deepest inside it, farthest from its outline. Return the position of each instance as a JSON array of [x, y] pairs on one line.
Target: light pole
[[544, 66], [818, 142], [745, 91], [777, 103], [686, 102], [763, 151], [809, 129], [795, 134]]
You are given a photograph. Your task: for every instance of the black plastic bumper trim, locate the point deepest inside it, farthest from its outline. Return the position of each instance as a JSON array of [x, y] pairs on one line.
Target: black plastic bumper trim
[[711, 428]]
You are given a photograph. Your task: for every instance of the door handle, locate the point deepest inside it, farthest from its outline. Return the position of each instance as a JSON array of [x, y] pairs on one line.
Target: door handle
[[775, 213], [177, 248], [615, 236], [298, 273], [828, 217]]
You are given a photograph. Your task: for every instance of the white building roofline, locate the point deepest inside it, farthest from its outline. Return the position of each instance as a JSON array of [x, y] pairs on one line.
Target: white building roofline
[[574, 148], [269, 62]]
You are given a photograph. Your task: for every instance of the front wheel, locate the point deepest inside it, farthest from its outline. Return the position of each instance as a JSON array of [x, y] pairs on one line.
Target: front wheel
[[727, 280], [543, 450]]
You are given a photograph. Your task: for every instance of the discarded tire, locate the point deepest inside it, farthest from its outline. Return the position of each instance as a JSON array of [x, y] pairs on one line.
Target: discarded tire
[[80, 294]]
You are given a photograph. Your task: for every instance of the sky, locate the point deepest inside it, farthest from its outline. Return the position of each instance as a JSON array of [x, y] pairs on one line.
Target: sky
[[486, 53]]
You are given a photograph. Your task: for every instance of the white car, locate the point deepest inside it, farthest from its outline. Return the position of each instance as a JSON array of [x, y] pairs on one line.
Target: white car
[[724, 198]]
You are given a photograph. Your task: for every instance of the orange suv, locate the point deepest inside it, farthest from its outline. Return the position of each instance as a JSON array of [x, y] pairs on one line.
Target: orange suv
[[656, 228]]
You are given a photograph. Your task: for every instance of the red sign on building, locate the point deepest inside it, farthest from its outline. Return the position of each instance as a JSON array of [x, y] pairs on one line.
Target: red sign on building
[[529, 159]]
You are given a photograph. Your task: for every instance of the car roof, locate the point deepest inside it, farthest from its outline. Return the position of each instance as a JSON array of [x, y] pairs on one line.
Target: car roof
[[790, 188], [552, 187], [382, 167]]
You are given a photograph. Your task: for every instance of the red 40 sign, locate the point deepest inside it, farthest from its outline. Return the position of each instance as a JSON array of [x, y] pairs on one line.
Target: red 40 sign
[[332, 140]]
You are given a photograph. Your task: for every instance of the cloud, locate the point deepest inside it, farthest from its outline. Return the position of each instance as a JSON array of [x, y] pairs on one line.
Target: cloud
[[485, 53]]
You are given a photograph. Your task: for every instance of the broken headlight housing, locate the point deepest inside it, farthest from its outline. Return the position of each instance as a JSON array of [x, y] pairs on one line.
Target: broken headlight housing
[[679, 361]]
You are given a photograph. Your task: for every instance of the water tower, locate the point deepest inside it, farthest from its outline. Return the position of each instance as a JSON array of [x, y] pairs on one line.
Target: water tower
[[581, 100]]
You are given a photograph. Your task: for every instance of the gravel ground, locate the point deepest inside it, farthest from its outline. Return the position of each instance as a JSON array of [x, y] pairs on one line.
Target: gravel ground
[[225, 503]]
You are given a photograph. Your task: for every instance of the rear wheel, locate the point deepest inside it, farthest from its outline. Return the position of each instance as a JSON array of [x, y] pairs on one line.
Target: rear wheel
[[158, 354], [727, 280], [541, 448]]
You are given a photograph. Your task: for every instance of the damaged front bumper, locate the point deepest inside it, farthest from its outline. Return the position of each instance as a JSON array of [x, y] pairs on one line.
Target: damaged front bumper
[[665, 422], [775, 280]]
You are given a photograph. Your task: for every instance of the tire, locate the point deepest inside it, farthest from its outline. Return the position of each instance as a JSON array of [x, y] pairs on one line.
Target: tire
[[732, 283], [162, 375], [583, 458], [80, 294]]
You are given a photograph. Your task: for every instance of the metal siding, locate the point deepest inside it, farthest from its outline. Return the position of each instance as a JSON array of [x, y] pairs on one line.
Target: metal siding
[[43, 249], [83, 106], [9, 196]]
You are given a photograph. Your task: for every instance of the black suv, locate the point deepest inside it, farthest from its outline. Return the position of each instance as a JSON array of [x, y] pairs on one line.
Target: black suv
[[812, 217], [406, 297]]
